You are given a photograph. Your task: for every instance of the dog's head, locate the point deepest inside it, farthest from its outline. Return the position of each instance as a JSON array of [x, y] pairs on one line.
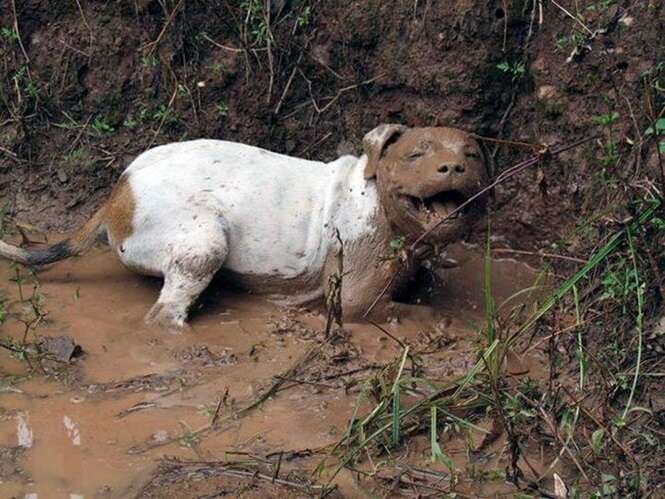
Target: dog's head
[[423, 174]]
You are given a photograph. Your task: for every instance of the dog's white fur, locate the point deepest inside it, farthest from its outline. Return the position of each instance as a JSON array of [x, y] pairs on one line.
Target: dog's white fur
[[266, 214]]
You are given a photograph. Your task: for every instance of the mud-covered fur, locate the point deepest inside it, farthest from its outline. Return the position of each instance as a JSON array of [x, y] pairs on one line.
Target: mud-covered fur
[[184, 211]]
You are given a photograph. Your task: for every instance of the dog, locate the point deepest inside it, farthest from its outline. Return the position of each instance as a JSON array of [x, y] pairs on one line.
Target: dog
[[275, 224]]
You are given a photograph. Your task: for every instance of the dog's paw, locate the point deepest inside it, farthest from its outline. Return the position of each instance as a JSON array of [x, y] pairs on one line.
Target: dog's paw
[[164, 317]]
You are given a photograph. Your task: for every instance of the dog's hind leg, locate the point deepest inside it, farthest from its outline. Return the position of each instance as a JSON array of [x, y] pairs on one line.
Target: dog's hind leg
[[192, 265]]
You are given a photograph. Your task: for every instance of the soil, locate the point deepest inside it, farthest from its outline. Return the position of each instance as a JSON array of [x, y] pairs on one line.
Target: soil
[[86, 86], [108, 81], [99, 425]]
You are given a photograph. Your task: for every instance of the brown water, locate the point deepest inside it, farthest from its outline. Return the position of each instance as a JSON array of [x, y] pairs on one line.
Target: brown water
[[137, 394]]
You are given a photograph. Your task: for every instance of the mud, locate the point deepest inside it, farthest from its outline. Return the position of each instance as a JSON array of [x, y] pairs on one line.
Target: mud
[[97, 427]]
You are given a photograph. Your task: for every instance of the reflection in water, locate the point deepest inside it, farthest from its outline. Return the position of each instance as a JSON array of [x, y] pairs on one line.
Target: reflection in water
[[72, 430], [23, 432]]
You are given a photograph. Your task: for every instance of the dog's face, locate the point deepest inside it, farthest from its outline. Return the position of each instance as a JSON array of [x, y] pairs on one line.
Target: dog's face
[[423, 174]]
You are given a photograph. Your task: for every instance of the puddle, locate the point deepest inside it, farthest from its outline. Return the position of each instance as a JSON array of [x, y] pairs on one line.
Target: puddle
[[139, 394]]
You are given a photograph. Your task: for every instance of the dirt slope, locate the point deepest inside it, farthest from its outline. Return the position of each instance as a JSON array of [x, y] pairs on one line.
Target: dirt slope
[[87, 89]]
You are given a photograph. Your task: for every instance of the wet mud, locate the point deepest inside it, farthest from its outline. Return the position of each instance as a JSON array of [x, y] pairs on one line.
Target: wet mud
[[241, 386]]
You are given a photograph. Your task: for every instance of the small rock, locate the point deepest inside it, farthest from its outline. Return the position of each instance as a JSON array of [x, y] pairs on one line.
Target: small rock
[[551, 139], [62, 175], [547, 92], [515, 365], [538, 65], [627, 21], [63, 348], [321, 54]]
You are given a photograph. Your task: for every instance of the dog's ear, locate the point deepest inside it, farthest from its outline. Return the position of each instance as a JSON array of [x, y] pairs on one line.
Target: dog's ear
[[375, 143]]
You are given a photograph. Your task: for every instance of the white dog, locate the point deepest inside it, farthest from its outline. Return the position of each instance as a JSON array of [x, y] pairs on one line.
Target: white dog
[[184, 211]]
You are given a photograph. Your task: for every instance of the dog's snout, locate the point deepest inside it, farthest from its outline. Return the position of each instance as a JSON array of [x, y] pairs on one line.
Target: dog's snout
[[451, 168]]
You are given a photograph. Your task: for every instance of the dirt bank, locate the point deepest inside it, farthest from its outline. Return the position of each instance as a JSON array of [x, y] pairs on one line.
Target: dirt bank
[[87, 89], [86, 86]]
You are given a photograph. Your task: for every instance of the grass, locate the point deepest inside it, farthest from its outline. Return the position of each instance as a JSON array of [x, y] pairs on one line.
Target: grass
[[28, 310], [406, 404]]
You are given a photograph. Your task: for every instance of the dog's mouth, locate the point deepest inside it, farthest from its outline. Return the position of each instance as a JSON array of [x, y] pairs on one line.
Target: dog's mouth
[[436, 207]]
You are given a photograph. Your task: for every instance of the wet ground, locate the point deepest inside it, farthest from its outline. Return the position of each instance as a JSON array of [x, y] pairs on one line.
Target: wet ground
[[101, 425]]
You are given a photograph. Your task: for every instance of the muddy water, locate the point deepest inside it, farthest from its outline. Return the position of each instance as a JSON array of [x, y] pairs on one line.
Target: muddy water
[[98, 428]]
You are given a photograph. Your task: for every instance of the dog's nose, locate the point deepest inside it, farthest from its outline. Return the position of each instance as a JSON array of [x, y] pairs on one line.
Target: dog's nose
[[449, 168]]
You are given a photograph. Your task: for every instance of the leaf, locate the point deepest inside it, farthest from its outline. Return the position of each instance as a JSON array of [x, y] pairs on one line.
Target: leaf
[[437, 453], [560, 489], [660, 124], [597, 438], [605, 119], [638, 408], [659, 127]]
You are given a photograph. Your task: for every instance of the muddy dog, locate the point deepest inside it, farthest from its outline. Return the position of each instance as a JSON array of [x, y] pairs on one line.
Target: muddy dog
[[184, 211]]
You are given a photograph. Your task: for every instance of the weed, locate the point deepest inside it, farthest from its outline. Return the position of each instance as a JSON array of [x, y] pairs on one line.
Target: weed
[[8, 34], [147, 115], [618, 281], [222, 108], [150, 61], [101, 125], [77, 157], [189, 439], [31, 313], [24, 83], [653, 77], [305, 17], [657, 131], [166, 114], [397, 245], [515, 69], [605, 119], [130, 122], [217, 67], [600, 6], [435, 448], [609, 156], [570, 42], [256, 29], [396, 249]]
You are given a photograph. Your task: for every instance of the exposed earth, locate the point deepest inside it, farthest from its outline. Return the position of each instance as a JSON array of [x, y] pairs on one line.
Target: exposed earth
[[100, 425], [253, 399]]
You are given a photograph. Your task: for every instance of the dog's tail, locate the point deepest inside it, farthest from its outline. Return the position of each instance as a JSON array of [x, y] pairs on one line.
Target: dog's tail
[[75, 245]]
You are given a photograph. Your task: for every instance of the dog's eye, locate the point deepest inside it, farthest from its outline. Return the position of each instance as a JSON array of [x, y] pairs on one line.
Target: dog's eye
[[415, 155]]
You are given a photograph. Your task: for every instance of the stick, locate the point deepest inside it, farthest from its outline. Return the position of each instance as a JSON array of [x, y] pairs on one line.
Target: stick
[[154, 43]]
